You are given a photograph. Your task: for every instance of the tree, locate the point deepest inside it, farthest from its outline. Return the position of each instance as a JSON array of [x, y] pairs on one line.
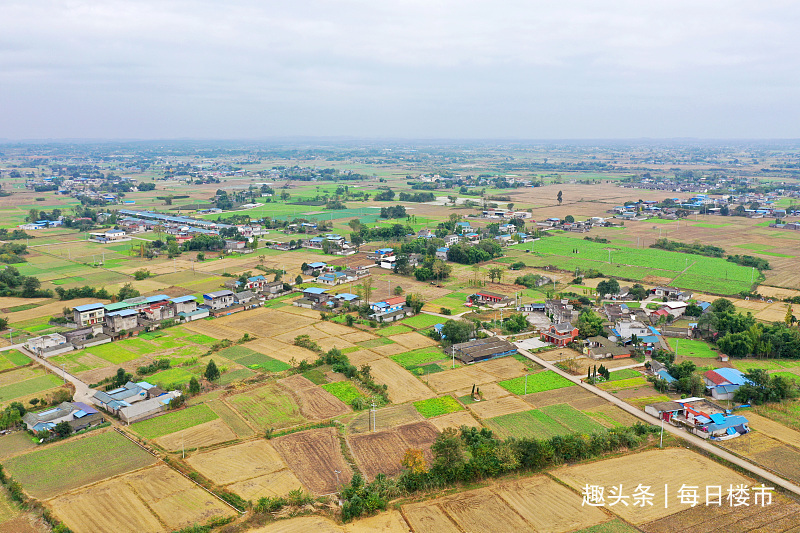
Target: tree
[[496, 272], [366, 286], [456, 331], [3, 323], [590, 324], [559, 197], [127, 291], [414, 461], [637, 292], [569, 218], [448, 453], [398, 290], [415, 302], [194, 386], [298, 280], [212, 372], [789, 319], [201, 256], [608, 287], [63, 429]]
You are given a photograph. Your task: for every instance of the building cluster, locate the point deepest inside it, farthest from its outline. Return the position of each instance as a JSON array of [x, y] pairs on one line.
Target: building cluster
[[700, 417], [78, 415], [135, 401]]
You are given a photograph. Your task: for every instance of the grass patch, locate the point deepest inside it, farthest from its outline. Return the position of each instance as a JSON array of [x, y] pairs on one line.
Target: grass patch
[[113, 353], [418, 357], [170, 379], [540, 382], [641, 402], [235, 375], [174, 421], [16, 358], [766, 364], [424, 370], [29, 386], [374, 343], [23, 307], [55, 469], [692, 348], [613, 526], [629, 383], [267, 407], [423, 321], [236, 352], [316, 376], [392, 330], [709, 225], [437, 406], [203, 340], [344, 390], [625, 373], [550, 421], [259, 361], [786, 375]]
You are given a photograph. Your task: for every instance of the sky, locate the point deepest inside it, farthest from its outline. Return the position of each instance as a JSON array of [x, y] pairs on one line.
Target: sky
[[414, 69]]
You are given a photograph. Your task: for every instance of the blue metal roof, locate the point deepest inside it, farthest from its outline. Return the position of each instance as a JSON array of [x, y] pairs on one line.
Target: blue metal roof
[[89, 307], [732, 375], [317, 264], [182, 299], [443, 249], [346, 296], [663, 374], [315, 290], [156, 298], [727, 422], [123, 312]]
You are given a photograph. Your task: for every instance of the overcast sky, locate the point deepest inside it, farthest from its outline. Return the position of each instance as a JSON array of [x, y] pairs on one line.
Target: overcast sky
[[255, 69]]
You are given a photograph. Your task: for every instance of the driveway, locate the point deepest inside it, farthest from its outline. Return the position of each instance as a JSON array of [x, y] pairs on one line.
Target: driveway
[[82, 391]]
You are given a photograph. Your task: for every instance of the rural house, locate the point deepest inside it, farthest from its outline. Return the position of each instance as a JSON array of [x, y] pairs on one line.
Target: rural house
[[482, 349], [89, 314], [218, 299], [724, 382], [560, 334]]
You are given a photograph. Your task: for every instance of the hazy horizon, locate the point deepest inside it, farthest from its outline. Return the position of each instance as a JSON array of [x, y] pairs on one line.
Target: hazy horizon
[[190, 70]]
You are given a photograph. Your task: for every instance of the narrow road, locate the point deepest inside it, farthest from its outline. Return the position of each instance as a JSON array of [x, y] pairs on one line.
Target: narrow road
[[680, 433], [82, 391]]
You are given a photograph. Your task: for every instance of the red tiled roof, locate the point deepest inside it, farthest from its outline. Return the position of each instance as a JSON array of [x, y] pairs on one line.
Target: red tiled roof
[[394, 301], [715, 378]]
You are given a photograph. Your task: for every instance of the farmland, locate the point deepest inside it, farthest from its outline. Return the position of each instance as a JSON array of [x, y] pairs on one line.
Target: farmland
[[558, 419], [174, 421], [314, 456], [539, 382], [62, 467], [267, 406], [343, 390], [28, 387], [437, 406], [691, 348], [382, 451]]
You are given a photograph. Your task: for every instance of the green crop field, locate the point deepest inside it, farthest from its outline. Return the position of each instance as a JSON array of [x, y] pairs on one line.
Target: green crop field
[[437, 406], [786, 375], [560, 419], [766, 364], [454, 302], [614, 526], [374, 343], [113, 353], [235, 352], [539, 382], [344, 390], [203, 340], [259, 361], [76, 462], [235, 375], [392, 330], [174, 421], [709, 225], [625, 373], [29, 386], [268, 406], [691, 348], [423, 321], [13, 358], [701, 273], [170, 379], [316, 376], [418, 357], [629, 383]]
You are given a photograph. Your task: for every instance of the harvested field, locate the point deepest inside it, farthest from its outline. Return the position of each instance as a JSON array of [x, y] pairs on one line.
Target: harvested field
[[386, 350], [356, 336], [562, 395], [362, 357], [413, 340], [426, 517], [455, 420], [385, 418], [301, 524], [238, 462], [274, 484], [547, 505], [267, 406], [489, 391], [403, 386], [383, 451], [460, 378], [482, 510], [782, 515], [328, 343], [500, 406], [386, 522], [61, 467], [315, 402], [610, 415], [503, 368], [767, 452], [773, 429], [334, 330], [215, 329], [141, 501], [200, 436], [672, 466], [313, 456]]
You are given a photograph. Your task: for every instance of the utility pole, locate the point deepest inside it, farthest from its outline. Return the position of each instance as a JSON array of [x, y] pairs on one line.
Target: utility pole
[[374, 422], [454, 355], [526, 383]]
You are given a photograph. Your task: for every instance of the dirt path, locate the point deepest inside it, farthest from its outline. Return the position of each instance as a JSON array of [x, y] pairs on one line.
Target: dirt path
[[697, 441]]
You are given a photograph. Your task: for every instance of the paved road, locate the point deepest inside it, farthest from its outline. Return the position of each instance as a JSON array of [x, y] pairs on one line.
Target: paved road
[[680, 433], [82, 391]]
